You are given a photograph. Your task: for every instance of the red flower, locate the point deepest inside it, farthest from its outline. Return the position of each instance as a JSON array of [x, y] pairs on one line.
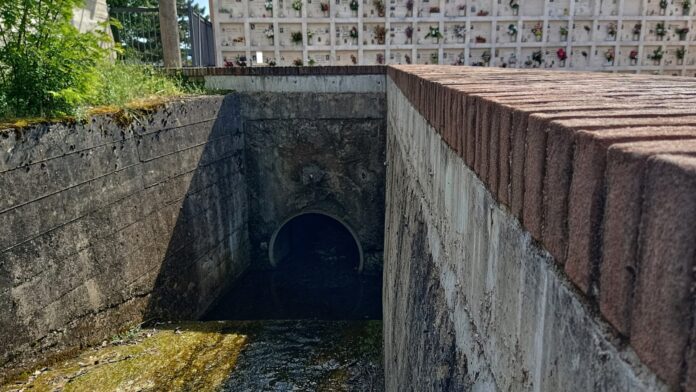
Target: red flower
[[633, 55], [561, 53]]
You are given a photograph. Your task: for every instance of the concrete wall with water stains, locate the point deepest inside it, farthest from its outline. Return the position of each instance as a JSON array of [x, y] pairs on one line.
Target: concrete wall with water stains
[[114, 221]]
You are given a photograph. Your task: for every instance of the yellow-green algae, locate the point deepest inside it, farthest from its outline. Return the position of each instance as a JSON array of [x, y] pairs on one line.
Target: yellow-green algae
[[192, 356]]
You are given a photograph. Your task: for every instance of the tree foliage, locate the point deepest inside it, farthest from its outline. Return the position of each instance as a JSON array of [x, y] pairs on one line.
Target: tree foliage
[[47, 67]]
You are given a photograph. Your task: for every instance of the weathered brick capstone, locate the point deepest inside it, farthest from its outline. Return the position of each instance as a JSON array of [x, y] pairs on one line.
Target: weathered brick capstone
[[598, 169]]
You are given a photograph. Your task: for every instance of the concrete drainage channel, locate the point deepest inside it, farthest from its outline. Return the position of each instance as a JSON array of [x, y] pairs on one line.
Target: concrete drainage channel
[[257, 205], [288, 218]]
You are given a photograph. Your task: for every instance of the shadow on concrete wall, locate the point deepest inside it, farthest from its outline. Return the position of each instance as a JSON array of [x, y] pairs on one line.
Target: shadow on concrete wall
[[208, 246]]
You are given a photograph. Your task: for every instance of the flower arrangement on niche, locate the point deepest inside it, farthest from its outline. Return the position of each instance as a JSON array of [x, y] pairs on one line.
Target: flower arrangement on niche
[[380, 58], [310, 38], [486, 57], [311, 62], [409, 7], [271, 62], [515, 7], [268, 5], [512, 32], [434, 10], [538, 31], [296, 37], [482, 13], [663, 6], [538, 57], [564, 33], [324, 8], [460, 32], [461, 9], [409, 34], [353, 59], [434, 33], [354, 5], [682, 32], [407, 58], [633, 56], [354, 34], [297, 62], [269, 33], [686, 7], [241, 61], [680, 53], [562, 56], [297, 6], [479, 39], [636, 31], [660, 30], [379, 6], [609, 55], [611, 31], [380, 34], [656, 55], [433, 58]]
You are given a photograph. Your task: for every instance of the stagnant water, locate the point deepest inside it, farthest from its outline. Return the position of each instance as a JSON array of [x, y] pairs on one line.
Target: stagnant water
[[315, 327], [332, 347]]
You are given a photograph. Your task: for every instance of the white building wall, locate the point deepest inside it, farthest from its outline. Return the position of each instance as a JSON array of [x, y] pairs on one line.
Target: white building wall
[[88, 17], [240, 26]]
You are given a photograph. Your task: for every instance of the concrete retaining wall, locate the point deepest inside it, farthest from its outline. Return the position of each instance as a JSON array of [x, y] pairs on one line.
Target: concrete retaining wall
[[496, 167], [316, 152], [120, 220], [116, 221]]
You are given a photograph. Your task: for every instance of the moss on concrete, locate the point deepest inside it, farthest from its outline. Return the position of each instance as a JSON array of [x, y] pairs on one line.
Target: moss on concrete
[[175, 357]]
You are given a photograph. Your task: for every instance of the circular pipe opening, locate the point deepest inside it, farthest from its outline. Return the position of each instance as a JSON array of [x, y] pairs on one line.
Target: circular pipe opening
[[300, 232]]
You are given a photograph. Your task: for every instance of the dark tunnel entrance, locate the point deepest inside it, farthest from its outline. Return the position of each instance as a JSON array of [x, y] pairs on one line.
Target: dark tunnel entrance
[[316, 274]]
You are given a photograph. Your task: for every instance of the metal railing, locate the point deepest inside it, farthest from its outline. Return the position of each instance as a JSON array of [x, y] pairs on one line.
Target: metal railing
[[140, 41]]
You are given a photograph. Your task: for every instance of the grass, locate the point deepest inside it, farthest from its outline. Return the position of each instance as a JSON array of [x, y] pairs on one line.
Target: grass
[[120, 87]]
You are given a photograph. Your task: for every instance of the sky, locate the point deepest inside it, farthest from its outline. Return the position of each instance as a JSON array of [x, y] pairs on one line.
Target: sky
[[203, 3]]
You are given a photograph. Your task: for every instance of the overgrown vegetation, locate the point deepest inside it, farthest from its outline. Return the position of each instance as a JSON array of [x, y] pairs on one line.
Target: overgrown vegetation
[[48, 68]]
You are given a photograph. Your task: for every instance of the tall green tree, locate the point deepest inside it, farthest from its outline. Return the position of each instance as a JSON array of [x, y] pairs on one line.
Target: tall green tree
[[47, 67]]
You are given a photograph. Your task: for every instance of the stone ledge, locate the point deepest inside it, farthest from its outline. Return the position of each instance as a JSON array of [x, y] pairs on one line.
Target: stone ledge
[[542, 142]]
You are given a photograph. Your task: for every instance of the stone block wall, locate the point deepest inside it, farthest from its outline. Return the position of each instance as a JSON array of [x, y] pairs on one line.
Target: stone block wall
[[116, 221], [598, 170]]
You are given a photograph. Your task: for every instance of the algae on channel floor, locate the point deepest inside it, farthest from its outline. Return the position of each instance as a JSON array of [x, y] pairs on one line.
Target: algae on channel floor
[[192, 356], [234, 356]]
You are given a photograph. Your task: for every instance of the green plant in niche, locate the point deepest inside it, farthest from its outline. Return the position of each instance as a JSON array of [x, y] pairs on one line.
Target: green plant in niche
[[379, 6], [434, 33], [660, 29], [538, 57], [297, 5], [656, 55], [686, 7], [663, 4], [354, 5], [296, 37], [680, 53], [515, 7], [433, 58]]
